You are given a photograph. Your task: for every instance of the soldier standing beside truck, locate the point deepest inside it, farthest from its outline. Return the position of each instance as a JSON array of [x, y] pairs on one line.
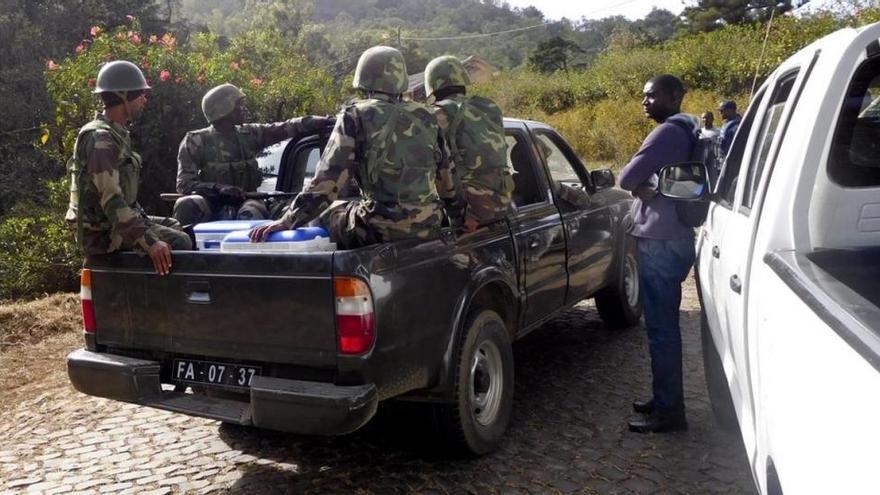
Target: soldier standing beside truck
[[217, 165], [390, 147], [105, 176], [473, 132]]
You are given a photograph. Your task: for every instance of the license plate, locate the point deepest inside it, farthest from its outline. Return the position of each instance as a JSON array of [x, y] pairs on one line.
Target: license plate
[[212, 373]]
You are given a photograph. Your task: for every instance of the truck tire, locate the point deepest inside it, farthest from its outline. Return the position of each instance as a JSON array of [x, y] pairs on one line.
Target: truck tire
[[483, 388], [620, 306], [716, 383]]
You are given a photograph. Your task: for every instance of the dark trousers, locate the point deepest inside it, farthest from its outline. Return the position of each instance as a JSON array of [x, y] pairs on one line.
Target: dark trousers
[[663, 266]]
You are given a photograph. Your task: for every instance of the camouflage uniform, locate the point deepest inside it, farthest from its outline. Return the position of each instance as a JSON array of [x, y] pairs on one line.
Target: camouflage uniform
[[208, 160], [104, 181], [473, 131], [390, 147]]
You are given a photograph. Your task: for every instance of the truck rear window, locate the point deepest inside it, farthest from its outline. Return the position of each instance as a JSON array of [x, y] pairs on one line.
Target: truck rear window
[[855, 150]]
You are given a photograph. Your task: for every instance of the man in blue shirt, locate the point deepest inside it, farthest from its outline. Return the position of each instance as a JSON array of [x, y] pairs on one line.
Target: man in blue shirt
[[666, 250], [731, 124]]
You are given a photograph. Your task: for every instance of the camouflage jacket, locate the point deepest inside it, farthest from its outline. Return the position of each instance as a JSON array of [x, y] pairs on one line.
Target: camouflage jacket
[[208, 159], [473, 132], [399, 194], [104, 181]]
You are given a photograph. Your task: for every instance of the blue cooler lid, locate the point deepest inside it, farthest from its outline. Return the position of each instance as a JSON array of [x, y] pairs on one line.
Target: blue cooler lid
[[298, 235], [225, 226]]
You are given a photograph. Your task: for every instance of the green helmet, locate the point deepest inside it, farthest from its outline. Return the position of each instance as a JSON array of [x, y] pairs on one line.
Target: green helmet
[[220, 101], [120, 76], [381, 69], [443, 72]]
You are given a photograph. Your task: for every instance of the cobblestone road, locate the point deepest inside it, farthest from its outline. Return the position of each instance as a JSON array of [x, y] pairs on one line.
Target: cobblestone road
[[574, 384]]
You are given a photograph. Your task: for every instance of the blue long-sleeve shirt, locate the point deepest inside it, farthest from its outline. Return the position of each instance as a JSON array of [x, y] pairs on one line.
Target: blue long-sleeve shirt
[[667, 144]]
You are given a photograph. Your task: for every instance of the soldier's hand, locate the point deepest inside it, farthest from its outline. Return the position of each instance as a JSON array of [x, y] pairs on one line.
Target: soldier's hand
[[470, 224], [261, 233], [160, 255], [323, 121]]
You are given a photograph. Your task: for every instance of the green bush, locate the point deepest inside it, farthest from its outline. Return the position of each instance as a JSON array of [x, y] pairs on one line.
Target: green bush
[[37, 251]]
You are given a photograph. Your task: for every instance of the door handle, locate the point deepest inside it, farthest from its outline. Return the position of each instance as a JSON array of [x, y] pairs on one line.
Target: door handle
[[736, 284], [198, 292], [716, 252]]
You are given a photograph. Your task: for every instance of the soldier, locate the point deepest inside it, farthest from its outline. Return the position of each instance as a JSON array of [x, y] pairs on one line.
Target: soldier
[[473, 131], [105, 175], [217, 165], [390, 147]]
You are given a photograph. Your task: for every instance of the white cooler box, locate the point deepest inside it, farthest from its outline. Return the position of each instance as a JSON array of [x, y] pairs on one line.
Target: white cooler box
[[303, 239], [209, 235]]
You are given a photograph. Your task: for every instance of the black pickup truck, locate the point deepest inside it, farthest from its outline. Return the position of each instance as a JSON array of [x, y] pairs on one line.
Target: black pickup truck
[[313, 342]]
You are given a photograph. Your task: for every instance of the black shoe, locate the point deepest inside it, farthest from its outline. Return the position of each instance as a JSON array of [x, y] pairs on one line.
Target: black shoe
[[643, 406], [656, 423]]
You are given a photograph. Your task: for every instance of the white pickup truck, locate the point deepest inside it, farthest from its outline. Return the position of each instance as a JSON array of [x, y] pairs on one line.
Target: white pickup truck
[[788, 272]]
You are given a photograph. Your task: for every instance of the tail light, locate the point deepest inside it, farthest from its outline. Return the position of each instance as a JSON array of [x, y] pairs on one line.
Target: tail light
[[85, 295], [355, 322]]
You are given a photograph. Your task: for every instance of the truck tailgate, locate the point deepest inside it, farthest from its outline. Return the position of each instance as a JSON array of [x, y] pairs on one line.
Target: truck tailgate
[[260, 307]]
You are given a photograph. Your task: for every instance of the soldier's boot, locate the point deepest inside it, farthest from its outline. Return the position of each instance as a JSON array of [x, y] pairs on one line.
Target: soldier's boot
[[192, 209]]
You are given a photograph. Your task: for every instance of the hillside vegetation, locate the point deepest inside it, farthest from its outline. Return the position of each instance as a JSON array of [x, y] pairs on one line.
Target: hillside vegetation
[[294, 57]]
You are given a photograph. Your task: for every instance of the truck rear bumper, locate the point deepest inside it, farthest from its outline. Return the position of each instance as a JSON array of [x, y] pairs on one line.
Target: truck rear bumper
[[296, 406]]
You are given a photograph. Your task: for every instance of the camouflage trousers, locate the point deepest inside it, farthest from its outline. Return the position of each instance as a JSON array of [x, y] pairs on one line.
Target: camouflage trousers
[[193, 209], [486, 204], [97, 241], [349, 226]]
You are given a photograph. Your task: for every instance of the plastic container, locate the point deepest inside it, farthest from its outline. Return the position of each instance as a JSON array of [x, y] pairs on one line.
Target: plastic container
[[303, 239], [209, 235]]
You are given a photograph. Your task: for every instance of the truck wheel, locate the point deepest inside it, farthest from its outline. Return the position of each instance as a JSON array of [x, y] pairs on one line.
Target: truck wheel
[[716, 383], [620, 306], [483, 388]]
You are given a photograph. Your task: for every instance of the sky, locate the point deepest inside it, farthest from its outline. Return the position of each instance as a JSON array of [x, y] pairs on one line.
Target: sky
[[597, 9]]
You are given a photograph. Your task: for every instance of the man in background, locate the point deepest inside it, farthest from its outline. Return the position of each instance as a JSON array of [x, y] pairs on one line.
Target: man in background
[[731, 124]]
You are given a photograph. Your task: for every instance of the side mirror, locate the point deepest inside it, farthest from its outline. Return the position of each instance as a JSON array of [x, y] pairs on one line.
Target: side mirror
[[687, 181], [602, 179]]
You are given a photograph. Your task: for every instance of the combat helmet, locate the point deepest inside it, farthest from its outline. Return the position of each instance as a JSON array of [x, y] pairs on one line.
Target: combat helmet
[[443, 72], [120, 76], [381, 69], [220, 101]]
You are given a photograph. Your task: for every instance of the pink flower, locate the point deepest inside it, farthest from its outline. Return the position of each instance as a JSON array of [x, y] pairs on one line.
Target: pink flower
[[164, 75], [95, 31], [51, 65], [154, 39], [233, 65], [257, 82], [134, 37], [79, 48], [145, 65], [130, 18]]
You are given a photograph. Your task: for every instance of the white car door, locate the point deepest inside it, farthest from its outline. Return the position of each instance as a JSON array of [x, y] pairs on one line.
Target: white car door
[[737, 242]]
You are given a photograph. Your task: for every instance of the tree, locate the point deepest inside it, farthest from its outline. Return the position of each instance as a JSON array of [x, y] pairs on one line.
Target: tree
[[553, 54], [658, 26], [712, 14]]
